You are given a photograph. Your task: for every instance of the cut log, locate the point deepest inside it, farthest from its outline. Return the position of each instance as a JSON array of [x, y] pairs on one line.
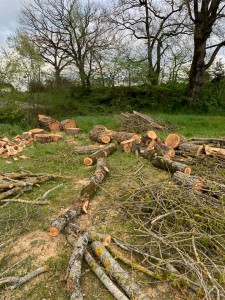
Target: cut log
[[207, 141], [106, 151], [87, 192], [73, 131], [111, 287], [47, 123], [47, 138], [170, 165], [163, 149], [216, 152], [74, 268], [87, 149], [120, 137], [191, 149], [116, 272], [148, 153], [173, 140], [151, 135], [100, 134], [36, 131], [193, 182], [68, 123]]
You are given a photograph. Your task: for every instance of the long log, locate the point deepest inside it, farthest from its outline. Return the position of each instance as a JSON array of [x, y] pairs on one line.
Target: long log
[[89, 149], [116, 272], [191, 149], [74, 268], [106, 151], [47, 123], [170, 165], [193, 182], [111, 287], [81, 202], [206, 141]]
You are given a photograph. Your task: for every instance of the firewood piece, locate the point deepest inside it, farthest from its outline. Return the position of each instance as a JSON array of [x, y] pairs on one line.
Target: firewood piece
[[100, 134], [111, 287], [106, 151], [35, 131], [86, 193], [68, 123], [193, 182], [163, 149], [73, 131], [170, 165], [17, 281], [216, 152], [47, 123], [191, 149], [74, 268], [87, 149], [116, 272], [47, 138], [206, 141], [173, 140]]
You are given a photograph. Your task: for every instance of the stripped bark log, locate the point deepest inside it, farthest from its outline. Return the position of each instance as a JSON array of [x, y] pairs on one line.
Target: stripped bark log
[[116, 272], [68, 123], [47, 123], [103, 277], [87, 192], [193, 182], [170, 165], [104, 152], [74, 268]]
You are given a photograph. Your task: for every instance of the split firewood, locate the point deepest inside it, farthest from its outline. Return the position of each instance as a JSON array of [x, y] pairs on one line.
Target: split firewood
[[100, 134], [73, 131], [111, 287], [116, 272], [104, 152], [74, 268], [170, 165], [163, 149], [190, 149], [87, 149], [18, 281], [68, 123], [47, 138], [173, 140], [47, 123], [216, 152], [193, 182], [82, 201]]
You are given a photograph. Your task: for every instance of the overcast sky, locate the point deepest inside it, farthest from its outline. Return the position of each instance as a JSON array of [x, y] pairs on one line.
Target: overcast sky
[[9, 10]]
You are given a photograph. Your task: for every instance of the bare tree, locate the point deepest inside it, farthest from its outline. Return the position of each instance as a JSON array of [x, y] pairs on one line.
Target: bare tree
[[206, 17], [152, 22]]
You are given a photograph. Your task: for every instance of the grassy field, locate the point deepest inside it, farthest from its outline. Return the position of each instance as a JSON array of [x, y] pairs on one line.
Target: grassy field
[[27, 224]]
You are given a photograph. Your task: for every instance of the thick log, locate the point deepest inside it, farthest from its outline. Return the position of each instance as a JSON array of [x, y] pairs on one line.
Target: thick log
[[100, 134], [193, 182], [120, 137], [116, 272], [87, 149], [35, 131], [163, 149], [68, 123], [104, 152], [47, 138], [111, 287], [148, 153], [173, 140], [86, 193], [74, 268], [73, 131], [47, 123], [191, 149], [170, 165]]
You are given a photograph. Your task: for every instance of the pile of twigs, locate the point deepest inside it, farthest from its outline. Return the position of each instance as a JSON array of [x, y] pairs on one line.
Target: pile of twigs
[[183, 234]]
